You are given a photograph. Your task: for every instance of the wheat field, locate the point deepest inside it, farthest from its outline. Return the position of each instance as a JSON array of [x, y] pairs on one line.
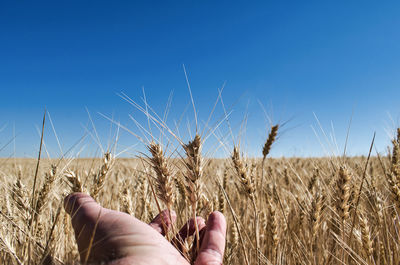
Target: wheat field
[[330, 210]]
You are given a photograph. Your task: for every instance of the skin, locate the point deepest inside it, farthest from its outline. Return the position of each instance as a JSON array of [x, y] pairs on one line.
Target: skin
[[121, 239]]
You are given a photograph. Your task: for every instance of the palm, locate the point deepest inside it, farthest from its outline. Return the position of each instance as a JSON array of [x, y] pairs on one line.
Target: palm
[[122, 239]]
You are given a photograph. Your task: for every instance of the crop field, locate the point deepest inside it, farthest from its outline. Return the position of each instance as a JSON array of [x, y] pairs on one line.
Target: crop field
[[333, 210], [199, 132]]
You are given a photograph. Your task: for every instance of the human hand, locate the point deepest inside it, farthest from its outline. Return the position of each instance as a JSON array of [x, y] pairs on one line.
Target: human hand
[[107, 236]]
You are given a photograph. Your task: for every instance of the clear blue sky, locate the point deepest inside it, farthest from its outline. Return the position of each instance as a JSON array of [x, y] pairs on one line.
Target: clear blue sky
[[295, 57]]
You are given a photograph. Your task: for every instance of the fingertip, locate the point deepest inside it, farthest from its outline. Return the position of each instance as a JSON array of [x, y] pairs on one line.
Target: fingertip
[[213, 243], [75, 200], [200, 222], [217, 214], [216, 221], [190, 227], [173, 216], [167, 216], [163, 218]]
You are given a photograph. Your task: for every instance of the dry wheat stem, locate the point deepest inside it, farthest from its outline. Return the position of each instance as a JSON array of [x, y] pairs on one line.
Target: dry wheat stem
[[366, 237], [249, 187], [164, 181], [193, 163], [99, 179]]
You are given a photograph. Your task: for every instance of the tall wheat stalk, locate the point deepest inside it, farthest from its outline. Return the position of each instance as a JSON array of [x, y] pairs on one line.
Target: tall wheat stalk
[[248, 184], [100, 177], [194, 172], [163, 179]]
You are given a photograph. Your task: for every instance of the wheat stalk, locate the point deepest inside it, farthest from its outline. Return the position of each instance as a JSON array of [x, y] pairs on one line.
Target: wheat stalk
[[99, 179], [248, 184], [270, 140], [343, 192], [164, 181], [194, 172], [366, 237], [44, 191]]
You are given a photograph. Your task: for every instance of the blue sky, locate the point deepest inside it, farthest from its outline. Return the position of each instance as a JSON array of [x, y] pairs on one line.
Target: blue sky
[[295, 58]]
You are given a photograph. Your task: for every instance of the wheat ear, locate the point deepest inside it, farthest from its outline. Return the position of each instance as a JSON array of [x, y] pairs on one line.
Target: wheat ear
[[342, 204], [267, 146], [193, 164], [366, 237], [164, 181], [248, 184], [75, 181], [44, 191], [99, 179]]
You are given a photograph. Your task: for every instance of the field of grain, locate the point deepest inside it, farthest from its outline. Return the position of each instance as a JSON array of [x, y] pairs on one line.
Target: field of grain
[[332, 210]]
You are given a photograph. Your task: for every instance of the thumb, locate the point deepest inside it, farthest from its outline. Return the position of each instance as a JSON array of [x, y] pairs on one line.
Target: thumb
[[75, 201], [213, 245], [82, 208], [85, 213], [163, 221]]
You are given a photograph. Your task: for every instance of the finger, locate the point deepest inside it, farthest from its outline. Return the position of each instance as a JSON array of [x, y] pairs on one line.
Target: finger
[[162, 222], [85, 213], [79, 202], [202, 232], [82, 208], [213, 244], [187, 230]]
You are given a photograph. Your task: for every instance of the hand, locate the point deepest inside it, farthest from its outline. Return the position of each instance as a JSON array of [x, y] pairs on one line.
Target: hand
[[114, 237]]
